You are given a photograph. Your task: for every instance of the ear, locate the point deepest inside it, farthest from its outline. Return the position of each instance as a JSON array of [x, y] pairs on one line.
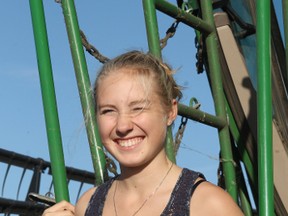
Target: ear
[[173, 112]]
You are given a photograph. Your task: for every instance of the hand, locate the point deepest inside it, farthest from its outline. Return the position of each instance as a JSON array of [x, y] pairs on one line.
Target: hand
[[62, 208]]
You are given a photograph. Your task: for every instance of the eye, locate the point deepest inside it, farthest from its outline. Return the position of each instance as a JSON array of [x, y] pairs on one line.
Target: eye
[[138, 108], [106, 111]]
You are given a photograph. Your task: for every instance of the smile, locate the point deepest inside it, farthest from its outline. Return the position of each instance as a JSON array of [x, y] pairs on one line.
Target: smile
[[129, 142]]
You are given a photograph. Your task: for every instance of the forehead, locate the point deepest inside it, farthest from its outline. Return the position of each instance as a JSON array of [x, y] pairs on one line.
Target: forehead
[[124, 84]]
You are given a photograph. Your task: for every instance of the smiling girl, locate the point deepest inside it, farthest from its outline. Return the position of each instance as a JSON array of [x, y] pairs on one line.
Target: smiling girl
[[136, 101]]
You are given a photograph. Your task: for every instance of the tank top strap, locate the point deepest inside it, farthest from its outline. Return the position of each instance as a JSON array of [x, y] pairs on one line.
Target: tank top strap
[[96, 203], [179, 203]]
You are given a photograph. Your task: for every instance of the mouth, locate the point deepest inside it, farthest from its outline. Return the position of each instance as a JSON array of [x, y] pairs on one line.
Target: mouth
[[126, 143]]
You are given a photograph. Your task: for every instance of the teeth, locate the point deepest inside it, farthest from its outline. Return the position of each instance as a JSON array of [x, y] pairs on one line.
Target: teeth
[[129, 142]]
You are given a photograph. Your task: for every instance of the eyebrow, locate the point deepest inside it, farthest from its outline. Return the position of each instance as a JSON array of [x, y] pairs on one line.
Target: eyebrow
[[105, 105], [137, 102], [132, 103]]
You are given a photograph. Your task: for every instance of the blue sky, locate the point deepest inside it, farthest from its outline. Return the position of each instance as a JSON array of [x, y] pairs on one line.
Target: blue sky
[[113, 28]]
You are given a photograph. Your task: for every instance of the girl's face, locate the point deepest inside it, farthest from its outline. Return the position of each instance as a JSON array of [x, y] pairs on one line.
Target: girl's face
[[132, 122]]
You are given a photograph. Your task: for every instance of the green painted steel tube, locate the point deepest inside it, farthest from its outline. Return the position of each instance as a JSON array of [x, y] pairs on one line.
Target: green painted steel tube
[[249, 168], [219, 100], [285, 21], [169, 147], [202, 117], [264, 109], [246, 208], [154, 48], [49, 101], [243, 193], [242, 189], [181, 15], [252, 175], [84, 87], [152, 27]]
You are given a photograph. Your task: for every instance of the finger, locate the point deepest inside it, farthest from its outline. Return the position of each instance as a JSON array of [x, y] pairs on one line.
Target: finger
[[64, 212], [59, 213], [60, 207]]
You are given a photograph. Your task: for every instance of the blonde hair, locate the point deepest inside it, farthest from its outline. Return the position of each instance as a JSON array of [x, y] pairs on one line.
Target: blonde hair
[[144, 64]]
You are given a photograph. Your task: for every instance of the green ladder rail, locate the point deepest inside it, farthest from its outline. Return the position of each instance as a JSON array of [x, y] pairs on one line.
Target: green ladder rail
[[215, 78], [49, 101], [155, 49], [252, 176], [85, 93], [264, 109]]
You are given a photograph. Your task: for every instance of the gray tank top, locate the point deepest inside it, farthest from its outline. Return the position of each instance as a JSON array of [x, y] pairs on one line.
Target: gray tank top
[[179, 202]]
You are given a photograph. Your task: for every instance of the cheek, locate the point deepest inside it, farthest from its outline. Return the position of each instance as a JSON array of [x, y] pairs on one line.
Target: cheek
[[103, 127], [155, 123], [104, 136]]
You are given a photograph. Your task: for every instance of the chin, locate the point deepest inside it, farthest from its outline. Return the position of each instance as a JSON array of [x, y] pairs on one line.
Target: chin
[[132, 163]]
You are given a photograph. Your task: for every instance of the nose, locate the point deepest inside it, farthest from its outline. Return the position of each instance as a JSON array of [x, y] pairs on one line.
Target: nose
[[124, 125]]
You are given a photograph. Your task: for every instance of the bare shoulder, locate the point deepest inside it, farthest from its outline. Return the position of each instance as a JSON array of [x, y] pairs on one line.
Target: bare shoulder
[[82, 203], [209, 199]]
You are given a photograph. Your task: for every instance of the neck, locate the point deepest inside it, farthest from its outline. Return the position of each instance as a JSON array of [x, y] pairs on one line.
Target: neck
[[142, 181], [136, 177]]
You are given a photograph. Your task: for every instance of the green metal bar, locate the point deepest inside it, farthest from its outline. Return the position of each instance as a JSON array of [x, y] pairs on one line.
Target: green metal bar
[[264, 108], [49, 101], [219, 100], [181, 15], [246, 208], [244, 154], [285, 21], [84, 87], [242, 189], [205, 118], [169, 147], [152, 27], [154, 48], [243, 195]]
